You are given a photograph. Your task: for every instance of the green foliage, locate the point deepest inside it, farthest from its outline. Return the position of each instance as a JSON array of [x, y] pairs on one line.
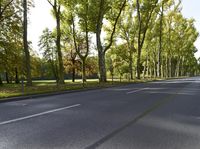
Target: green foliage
[[150, 36]]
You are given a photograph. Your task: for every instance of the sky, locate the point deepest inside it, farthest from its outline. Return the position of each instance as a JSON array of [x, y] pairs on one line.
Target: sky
[[40, 18], [191, 9]]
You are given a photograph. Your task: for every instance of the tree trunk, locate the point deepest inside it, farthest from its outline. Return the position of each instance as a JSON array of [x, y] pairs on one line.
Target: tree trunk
[[145, 68], [170, 67], [178, 68], [73, 71], [7, 77], [54, 70], [1, 82], [101, 50], [102, 67], [26, 50], [138, 63], [112, 77], [60, 60], [155, 72], [16, 76], [120, 78], [83, 72], [131, 64], [166, 68], [148, 64], [159, 64], [162, 68], [182, 69], [151, 72], [160, 41]]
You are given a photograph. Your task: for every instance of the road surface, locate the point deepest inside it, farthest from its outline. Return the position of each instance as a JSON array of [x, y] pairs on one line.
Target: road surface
[[156, 115]]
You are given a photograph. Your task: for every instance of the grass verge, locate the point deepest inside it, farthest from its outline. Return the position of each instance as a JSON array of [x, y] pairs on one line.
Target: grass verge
[[50, 86]]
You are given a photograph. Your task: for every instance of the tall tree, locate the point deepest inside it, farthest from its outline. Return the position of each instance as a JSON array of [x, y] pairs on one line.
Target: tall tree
[[11, 38], [160, 38], [144, 13], [81, 45], [103, 9], [127, 31], [26, 48], [56, 5], [47, 45]]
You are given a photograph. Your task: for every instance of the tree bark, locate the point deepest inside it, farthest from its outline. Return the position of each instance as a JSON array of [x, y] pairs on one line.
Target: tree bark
[[170, 67], [101, 54], [178, 67], [155, 72], [131, 64], [148, 66], [83, 72], [160, 41], [7, 77], [73, 71], [16, 76], [101, 49], [145, 66], [60, 60], [167, 68], [26, 49], [182, 68], [138, 63], [1, 82], [102, 67]]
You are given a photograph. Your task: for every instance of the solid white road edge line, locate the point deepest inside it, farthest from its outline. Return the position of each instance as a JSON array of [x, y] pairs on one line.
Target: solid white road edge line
[[136, 90], [39, 114]]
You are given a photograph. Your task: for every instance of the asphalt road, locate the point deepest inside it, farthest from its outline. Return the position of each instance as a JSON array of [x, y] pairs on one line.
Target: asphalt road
[[156, 115]]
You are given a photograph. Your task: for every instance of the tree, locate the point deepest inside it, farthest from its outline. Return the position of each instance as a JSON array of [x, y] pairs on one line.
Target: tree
[[127, 31], [56, 5], [70, 61], [104, 8], [5, 6], [11, 40], [26, 48], [81, 45], [144, 14], [47, 44]]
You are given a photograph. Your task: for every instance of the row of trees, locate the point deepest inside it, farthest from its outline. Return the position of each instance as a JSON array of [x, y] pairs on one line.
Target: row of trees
[[126, 38]]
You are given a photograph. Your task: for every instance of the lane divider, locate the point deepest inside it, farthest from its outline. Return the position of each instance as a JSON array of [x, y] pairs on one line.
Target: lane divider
[[38, 114], [135, 91]]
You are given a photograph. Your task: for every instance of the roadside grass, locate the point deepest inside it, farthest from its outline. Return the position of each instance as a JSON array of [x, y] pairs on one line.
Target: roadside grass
[[50, 86]]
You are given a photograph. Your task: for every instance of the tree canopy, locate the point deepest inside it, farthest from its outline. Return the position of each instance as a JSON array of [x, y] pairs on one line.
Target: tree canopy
[[99, 38]]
